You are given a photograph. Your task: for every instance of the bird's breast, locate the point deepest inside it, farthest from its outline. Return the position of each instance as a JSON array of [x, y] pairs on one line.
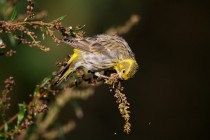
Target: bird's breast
[[97, 61]]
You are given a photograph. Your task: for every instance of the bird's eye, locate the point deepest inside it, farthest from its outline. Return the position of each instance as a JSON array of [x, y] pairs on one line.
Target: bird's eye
[[123, 71]]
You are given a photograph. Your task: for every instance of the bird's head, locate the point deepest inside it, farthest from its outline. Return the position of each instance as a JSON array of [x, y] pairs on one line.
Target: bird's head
[[126, 68]]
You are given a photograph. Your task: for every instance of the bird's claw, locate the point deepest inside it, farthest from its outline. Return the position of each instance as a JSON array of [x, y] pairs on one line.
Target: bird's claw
[[101, 76]]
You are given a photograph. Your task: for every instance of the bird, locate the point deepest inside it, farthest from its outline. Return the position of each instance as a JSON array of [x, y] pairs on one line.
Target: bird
[[99, 53]]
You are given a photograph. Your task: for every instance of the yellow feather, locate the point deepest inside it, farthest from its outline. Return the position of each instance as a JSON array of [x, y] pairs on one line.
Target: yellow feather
[[126, 68], [75, 56], [71, 62], [64, 76]]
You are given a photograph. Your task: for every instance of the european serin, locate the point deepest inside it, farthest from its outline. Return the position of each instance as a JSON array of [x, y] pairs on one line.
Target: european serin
[[100, 53]]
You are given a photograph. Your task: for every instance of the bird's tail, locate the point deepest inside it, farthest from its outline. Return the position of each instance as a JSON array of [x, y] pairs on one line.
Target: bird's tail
[[64, 74]]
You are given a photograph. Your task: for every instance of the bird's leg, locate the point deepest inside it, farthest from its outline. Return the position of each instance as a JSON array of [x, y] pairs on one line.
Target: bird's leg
[[101, 76]]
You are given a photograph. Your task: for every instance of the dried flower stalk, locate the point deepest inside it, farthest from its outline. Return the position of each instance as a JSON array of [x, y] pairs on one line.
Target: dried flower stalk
[[123, 105]]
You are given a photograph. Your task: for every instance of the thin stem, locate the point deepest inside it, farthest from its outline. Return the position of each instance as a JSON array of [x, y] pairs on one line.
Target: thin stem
[[9, 121], [32, 23]]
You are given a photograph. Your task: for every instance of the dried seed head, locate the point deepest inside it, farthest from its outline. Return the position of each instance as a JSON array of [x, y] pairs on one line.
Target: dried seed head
[[10, 53], [9, 83], [123, 105], [2, 45], [30, 9]]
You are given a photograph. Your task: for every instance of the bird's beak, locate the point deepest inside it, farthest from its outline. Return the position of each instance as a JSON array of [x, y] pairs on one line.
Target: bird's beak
[[120, 76]]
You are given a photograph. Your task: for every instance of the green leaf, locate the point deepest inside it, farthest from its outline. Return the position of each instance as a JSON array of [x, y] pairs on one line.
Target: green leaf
[[21, 113], [36, 90], [5, 127], [14, 14], [1, 104], [61, 18], [46, 80], [43, 84], [1, 135], [12, 39], [78, 28], [44, 29]]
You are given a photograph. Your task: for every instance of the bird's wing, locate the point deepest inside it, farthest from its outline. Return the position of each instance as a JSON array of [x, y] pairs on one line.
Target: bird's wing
[[89, 44], [104, 44]]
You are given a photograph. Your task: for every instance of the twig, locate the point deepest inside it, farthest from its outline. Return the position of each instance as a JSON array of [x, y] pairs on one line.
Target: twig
[[64, 129], [120, 30], [61, 100]]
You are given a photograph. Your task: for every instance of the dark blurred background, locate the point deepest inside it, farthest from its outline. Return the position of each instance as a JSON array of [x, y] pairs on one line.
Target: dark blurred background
[[169, 95]]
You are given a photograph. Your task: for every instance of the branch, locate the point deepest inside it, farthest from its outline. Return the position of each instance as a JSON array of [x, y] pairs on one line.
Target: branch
[[120, 30]]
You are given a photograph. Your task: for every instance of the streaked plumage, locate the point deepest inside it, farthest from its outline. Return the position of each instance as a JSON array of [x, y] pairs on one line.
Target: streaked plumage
[[100, 53]]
